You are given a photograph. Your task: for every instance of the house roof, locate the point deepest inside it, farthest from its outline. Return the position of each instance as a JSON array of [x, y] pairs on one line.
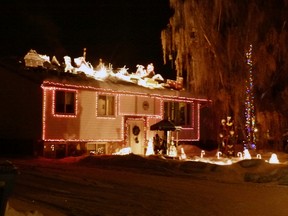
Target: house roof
[[111, 85], [54, 75]]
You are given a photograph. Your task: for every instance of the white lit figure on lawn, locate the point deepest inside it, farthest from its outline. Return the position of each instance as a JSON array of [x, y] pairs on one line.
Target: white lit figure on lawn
[[150, 149], [172, 150], [183, 155]]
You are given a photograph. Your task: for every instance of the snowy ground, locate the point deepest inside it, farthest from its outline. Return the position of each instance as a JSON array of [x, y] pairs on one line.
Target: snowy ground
[[135, 185]]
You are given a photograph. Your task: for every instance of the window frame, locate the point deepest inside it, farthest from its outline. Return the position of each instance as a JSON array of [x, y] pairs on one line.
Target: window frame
[[65, 112], [174, 112], [112, 106]]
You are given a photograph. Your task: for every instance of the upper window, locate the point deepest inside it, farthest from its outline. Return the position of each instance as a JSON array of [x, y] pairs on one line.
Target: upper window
[[178, 112], [106, 105], [65, 102]]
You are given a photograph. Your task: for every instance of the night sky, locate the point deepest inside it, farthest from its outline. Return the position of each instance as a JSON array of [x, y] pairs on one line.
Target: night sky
[[121, 32]]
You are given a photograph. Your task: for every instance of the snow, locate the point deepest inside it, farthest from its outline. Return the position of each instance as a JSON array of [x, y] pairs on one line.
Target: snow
[[12, 212], [202, 184]]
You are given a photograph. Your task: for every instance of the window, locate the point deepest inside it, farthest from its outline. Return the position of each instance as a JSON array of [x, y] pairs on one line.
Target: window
[[65, 102], [178, 112], [106, 105]]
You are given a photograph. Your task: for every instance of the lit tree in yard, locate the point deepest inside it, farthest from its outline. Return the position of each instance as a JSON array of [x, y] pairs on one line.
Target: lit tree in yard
[[249, 105], [206, 42]]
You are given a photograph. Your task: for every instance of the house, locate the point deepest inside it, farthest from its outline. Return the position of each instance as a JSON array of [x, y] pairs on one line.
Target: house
[[54, 113]]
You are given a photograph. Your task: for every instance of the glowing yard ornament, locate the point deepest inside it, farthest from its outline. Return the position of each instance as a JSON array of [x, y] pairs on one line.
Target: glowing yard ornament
[[240, 155], [246, 154], [218, 154], [172, 151], [150, 150], [183, 155], [202, 153], [123, 151], [273, 159], [258, 156]]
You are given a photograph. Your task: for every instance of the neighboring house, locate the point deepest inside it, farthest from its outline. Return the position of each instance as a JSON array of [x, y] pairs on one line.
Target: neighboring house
[[56, 114]]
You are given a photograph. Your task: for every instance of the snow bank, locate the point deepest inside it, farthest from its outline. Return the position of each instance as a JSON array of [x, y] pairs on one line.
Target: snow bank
[[246, 170], [12, 212], [103, 180]]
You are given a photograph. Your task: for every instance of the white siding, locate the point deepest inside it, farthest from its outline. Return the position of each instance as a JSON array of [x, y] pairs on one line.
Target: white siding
[[85, 126], [127, 104], [138, 105], [145, 106]]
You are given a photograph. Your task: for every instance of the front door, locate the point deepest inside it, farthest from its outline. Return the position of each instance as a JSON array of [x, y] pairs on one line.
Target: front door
[[135, 135]]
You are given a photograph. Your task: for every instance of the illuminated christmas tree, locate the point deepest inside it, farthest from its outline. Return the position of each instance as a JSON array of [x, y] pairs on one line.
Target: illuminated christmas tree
[[249, 104]]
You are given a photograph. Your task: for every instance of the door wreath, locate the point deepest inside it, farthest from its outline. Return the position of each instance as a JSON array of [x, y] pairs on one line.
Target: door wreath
[[136, 130]]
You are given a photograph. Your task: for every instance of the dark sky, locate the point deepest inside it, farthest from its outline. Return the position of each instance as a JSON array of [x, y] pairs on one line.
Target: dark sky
[[122, 32]]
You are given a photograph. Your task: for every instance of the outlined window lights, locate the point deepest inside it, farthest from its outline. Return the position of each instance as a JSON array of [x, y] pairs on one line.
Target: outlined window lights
[[65, 102]]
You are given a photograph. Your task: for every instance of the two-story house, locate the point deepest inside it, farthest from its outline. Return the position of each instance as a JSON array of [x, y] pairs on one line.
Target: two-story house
[[54, 113]]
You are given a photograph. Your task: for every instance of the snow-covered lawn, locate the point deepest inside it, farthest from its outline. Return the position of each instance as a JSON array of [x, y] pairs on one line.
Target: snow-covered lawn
[[152, 185]]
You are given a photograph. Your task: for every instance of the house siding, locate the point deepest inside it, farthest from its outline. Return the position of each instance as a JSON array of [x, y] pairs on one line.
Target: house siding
[[87, 126], [139, 105]]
